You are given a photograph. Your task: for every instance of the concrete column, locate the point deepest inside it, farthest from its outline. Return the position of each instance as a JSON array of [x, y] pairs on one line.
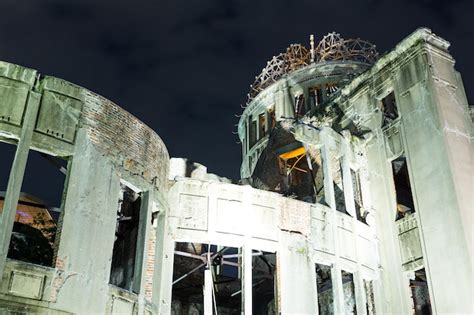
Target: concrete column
[[246, 283], [359, 291], [337, 289], [360, 294], [90, 208], [268, 125], [247, 134], [247, 280], [16, 176], [164, 259], [326, 161], [284, 104], [390, 286], [141, 255], [440, 189], [297, 284], [336, 276], [208, 292]]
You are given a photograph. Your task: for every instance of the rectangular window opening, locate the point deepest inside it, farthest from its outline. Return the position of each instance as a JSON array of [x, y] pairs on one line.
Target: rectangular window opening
[[420, 293], [123, 269], [252, 132], [264, 283], [36, 229], [338, 185], [389, 109], [244, 141], [316, 96], [325, 289], [300, 106], [190, 261], [6, 160], [403, 191], [349, 292], [262, 125], [298, 180], [360, 212]]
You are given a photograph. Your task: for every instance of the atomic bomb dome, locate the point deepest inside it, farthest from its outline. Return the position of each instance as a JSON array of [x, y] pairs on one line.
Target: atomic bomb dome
[[355, 194]]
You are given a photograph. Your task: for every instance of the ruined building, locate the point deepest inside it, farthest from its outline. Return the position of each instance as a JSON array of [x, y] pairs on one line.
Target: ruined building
[[355, 194]]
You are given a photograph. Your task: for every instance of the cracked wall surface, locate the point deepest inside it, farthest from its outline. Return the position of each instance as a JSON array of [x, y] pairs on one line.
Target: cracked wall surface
[[317, 188]]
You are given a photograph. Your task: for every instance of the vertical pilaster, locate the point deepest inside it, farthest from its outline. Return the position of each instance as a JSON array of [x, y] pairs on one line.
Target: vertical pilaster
[[247, 257], [141, 255], [164, 259], [336, 276], [337, 289], [247, 280], [359, 292], [208, 283]]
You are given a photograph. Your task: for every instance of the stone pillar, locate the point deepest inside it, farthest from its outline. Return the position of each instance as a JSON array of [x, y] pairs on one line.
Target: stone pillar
[[437, 142], [164, 259]]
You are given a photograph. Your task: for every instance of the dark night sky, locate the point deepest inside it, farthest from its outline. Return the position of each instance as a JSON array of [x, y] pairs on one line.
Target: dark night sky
[[183, 67]]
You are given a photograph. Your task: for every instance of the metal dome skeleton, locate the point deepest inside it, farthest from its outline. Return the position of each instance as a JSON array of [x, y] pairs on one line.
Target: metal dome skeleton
[[332, 47]]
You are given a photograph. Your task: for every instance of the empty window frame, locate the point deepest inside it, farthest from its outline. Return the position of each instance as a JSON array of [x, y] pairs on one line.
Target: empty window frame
[[252, 132], [403, 191], [349, 292], [357, 196], [124, 270], [420, 293], [389, 109], [190, 261], [300, 105], [35, 235], [264, 282], [337, 179], [262, 125], [315, 96], [325, 289], [6, 161], [298, 179]]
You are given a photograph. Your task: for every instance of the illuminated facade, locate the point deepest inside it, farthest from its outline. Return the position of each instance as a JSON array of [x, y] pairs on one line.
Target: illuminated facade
[[355, 194]]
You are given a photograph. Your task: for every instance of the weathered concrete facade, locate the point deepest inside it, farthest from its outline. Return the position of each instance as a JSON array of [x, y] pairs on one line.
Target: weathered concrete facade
[[360, 195], [104, 145]]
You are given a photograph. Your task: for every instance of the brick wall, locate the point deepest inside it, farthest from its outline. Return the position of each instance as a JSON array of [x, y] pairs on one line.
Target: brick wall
[[150, 264], [124, 138]]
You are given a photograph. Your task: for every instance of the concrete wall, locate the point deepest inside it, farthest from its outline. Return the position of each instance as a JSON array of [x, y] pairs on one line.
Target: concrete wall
[[104, 145], [434, 133], [300, 233]]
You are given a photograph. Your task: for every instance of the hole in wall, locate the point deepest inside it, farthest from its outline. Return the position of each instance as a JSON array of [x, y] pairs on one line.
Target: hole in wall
[[123, 269], [34, 236]]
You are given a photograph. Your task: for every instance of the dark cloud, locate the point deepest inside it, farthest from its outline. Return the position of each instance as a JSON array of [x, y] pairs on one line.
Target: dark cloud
[[184, 67]]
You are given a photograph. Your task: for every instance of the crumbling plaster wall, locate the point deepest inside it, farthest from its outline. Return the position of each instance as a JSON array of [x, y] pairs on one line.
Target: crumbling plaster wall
[[113, 146], [281, 96], [434, 133], [300, 233], [104, 145]]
